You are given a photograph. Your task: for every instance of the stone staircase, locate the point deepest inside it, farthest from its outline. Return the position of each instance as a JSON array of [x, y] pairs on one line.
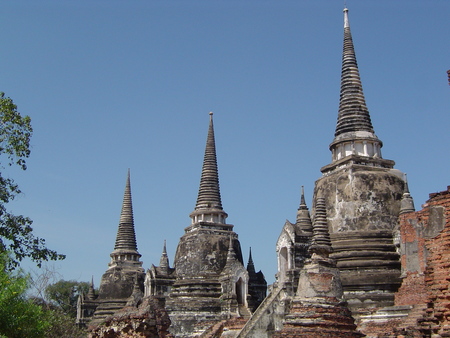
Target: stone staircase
[[229, 328], [244, 312], [260, 312], [107, 308]]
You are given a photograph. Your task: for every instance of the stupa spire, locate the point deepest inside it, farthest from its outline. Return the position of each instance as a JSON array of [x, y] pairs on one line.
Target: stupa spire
[[407, 202], [231, 254], [354, 134], [250, 264], [125, 248], [209, 191], [303, 221], [209, 203], [321, 242], [353, 112], [126, 237], [302, 200], [164, 261], [91, 292]]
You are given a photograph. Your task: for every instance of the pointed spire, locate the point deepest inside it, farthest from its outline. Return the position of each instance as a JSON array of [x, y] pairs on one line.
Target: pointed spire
[[353, 113], [125, 249], [321, 242], [302, 200], [250, 264], [91, 292], [209, 192], [303, 221], [231, 255], [164, 261], [126, 237], [354, 135], [407, 202], [209, 204]]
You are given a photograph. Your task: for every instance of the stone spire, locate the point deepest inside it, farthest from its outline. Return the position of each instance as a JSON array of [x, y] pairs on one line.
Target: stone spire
[[321, 242], [250, 264], [231, 255], [407, 203], [303, 221], [209, 203], [354, 133], [91, 292], [125, 248], [164, 261]]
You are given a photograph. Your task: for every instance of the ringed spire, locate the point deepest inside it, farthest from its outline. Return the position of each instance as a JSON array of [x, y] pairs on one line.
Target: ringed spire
[[209, 191], [353, 112], [209, 203], [354, 134], [125, 247]]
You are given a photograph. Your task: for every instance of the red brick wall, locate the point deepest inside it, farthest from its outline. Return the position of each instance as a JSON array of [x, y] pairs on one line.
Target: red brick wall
[[437, 273], [425, 243]]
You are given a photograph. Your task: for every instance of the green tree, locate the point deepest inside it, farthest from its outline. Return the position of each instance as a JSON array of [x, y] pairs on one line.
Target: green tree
[[63, 326], [19, 316], [16, 233], [65, 294]]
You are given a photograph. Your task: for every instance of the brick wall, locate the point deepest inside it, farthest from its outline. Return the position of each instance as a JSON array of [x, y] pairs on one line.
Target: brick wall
[[437, 273], [425, 246]]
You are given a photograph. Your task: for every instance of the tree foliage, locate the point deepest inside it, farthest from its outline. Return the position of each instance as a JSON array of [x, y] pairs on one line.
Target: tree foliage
[[63, 326], [65, 294], [19, 316], [16, 233], [33, 317]]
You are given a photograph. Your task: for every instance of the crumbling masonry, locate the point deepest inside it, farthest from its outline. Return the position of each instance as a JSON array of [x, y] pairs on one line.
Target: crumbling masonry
[[363, 262]]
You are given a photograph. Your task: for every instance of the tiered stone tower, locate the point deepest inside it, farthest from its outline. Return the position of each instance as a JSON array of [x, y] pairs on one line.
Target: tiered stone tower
[[292, 247], [159, 279], [363, 195], [125, 269], [209, 286], [318, 309]]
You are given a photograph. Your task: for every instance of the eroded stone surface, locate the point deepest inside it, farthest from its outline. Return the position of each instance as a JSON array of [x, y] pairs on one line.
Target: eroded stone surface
[[149, 320]]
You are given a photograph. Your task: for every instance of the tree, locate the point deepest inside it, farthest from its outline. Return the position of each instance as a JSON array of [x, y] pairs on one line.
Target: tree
[[16, 233], [19, 316], [65, 294], [33, 317], [62, 324]]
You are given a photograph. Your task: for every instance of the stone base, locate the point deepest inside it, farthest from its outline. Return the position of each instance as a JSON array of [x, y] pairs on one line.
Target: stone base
[[319, 318]]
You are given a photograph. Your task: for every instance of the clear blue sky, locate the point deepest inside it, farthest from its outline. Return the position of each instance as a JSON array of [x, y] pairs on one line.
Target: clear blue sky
[[112, 85]]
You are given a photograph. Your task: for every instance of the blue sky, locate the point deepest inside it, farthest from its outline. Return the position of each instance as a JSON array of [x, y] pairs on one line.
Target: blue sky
[[112, 85]]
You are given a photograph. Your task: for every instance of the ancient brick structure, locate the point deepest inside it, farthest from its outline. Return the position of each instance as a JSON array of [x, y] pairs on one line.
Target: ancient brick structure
[[159, 279], [363, 197], [86, 306], [318, 309], [211, 283], [425, 242], [366, 241], [148, 320], [208, 284], [124, 271], [292, 247]]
